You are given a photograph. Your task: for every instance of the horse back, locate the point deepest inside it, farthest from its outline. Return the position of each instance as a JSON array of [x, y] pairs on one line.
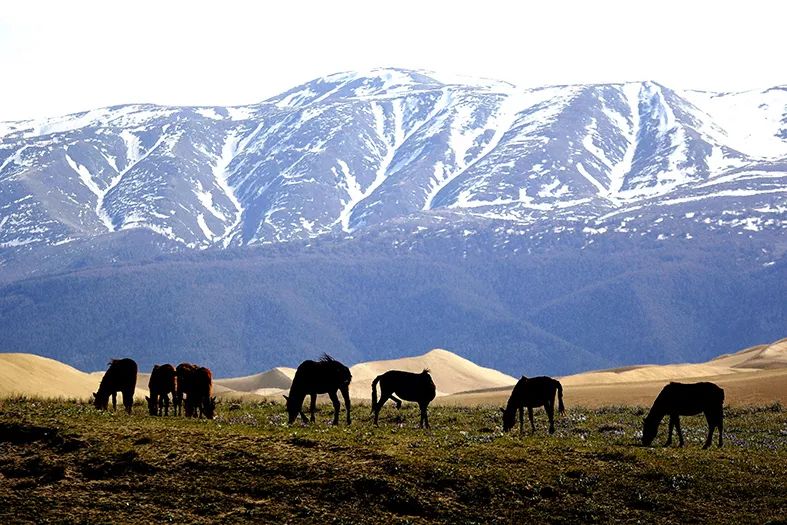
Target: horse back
[[313, 377], [202, 382], [689, 399], [120, 376], [534, 391], [409, 386], [162, 379]]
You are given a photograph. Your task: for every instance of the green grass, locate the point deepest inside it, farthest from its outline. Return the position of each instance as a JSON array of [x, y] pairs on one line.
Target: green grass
[[66, 462]]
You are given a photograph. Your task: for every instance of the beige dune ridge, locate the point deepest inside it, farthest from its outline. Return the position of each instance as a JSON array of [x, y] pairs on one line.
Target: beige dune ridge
[[754, 375]]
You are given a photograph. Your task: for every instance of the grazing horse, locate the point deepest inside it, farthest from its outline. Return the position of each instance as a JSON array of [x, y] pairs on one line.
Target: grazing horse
[[681, 399], [533, 392], [163, 381], [325, 376], [409, 386], [184, 373], [121, 376], [199, 396]]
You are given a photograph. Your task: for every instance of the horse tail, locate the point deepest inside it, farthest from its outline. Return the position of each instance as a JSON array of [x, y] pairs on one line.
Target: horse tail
[[560, 407], [374, 392]]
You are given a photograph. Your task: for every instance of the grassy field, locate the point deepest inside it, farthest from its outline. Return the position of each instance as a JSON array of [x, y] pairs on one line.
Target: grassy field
[[66, 462]]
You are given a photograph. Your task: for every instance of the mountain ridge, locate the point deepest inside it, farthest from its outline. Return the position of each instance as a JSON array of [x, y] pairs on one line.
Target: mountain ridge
[[347, 152]]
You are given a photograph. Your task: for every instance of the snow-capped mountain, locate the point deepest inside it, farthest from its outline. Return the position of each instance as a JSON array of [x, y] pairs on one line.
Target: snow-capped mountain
[[383, 214], [354, 153]]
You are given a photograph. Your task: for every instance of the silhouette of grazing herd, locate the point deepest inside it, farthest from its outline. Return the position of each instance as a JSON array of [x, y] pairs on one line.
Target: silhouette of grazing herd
[[191, 388]]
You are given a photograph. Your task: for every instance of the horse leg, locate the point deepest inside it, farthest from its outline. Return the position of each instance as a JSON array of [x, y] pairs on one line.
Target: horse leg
[[530, 417], [312, 407], [669, 434], [346, 395], [397, 401], [550, 408], [424, 414], [677, 427], [379, 406], [711, 425], [521, 420], [128, 400], [336, 407], [114, 401], [166, 404]]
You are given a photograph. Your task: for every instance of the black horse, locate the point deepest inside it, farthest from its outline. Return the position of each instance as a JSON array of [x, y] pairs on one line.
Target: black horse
[[121, 376], [681, 399], [325, 376], [533, 392], [409, 386]]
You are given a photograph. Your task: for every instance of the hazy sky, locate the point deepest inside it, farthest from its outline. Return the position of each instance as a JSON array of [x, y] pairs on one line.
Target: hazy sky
[[59, 57]]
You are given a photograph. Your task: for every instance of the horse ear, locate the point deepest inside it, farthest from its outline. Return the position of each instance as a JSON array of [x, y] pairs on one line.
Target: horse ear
[[503, 410], [147, 398], [285, 397]]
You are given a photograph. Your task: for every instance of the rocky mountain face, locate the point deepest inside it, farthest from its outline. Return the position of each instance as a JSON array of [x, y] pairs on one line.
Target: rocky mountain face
[[408, 174]]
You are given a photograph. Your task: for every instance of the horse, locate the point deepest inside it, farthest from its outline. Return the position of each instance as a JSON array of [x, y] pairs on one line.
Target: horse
[[199, 398], [163, 381], [409, 386], [533, 392], [184, 373], [685, 399], [121, 376], [325, 376]]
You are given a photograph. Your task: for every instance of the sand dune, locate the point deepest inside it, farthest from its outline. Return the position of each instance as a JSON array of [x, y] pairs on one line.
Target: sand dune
[[32, 375], [450, 372], [272, 381], [754, 375]]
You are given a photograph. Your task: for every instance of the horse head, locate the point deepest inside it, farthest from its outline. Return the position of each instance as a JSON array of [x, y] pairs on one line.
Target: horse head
[[293, 409], [152, 406], [650, 427], [210, 408], [509, 418], [100, 401]]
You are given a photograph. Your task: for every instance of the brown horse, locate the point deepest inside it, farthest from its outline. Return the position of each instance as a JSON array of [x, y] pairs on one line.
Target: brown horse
[[121, 376], [163, 381], [681, 399], [533, 392], [199, 397], [184, 373]]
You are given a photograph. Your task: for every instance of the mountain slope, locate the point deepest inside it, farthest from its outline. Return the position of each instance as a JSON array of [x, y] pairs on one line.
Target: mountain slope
[[354, 151]]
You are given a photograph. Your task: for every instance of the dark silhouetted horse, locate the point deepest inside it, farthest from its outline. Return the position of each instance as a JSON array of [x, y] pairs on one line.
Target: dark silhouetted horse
[[407, 385], [121, 376], [184, 373], [533, 392], [681, 399], [162, 383], [199, 396], [325, 376]]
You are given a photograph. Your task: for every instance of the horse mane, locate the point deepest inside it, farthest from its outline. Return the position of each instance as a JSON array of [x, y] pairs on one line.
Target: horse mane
[[426, 371], [325, 358]]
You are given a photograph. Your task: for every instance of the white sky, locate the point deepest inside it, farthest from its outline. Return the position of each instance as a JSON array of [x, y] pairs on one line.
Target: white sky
[[59, 57]]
